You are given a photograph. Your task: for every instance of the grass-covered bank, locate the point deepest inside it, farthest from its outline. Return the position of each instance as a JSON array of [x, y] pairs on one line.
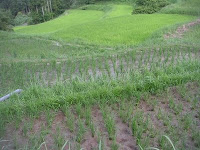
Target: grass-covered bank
[[189, 7]]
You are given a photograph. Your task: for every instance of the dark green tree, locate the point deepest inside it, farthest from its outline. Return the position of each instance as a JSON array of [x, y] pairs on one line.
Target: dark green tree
[[5, 20]]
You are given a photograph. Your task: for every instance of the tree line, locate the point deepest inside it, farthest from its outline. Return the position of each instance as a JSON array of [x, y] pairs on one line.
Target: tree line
[[18, 12], [38, 10]]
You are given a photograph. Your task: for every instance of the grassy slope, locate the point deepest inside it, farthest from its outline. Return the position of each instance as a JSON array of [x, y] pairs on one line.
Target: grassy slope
[[119, 27], [189, 7]]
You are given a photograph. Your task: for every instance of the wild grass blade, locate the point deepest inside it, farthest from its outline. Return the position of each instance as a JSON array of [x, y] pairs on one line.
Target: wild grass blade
[[64, 145], [41, 146], [170, 141]]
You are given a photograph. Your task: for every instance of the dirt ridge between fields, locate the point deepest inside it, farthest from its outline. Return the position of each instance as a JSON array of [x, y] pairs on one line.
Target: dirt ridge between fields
[[182, 29]]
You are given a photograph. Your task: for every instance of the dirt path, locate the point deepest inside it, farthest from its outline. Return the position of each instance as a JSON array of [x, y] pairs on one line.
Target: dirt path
[[181, 30]]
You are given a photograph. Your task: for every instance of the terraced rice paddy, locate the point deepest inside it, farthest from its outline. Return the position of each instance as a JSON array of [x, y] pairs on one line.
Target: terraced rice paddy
[[115, 125], [115, 27], [111, 66], [98, 78]]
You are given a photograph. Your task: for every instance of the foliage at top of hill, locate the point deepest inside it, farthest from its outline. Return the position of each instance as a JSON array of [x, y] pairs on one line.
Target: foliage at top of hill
[[5, 20]]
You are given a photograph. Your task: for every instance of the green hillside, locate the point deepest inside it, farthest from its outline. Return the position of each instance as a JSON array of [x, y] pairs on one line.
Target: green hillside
[[112, 27]]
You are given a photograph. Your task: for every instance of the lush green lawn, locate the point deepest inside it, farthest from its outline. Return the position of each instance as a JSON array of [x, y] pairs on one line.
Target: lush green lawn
[[111, 27]]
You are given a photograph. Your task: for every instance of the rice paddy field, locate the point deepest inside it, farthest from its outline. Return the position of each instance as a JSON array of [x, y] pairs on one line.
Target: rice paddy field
[[100, 78], [112, 27]]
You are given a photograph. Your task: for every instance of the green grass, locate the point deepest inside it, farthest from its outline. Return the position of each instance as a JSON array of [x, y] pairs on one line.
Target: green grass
[[118, 28]]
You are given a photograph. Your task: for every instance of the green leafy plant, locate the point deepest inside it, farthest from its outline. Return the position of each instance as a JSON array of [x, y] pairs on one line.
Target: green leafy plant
[[81, 131]]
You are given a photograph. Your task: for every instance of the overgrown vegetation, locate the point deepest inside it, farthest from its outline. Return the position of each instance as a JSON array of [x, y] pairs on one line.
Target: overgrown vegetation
[[22, 19]]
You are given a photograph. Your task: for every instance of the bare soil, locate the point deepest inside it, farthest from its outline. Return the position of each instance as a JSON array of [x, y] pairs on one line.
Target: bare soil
[[124, 135]]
